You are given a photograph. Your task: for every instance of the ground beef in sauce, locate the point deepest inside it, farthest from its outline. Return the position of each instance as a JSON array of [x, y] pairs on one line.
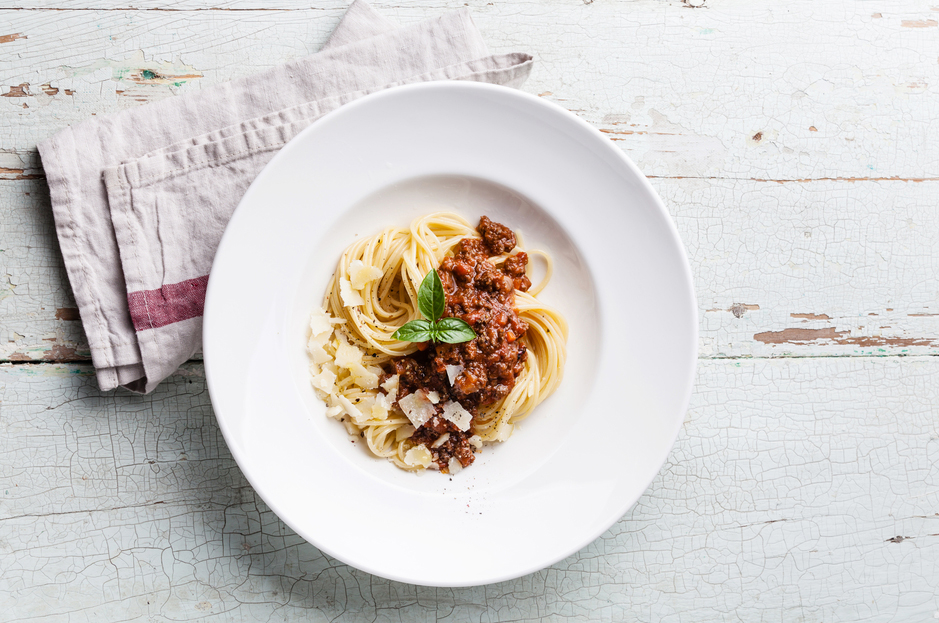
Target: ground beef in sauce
[[484, 296]]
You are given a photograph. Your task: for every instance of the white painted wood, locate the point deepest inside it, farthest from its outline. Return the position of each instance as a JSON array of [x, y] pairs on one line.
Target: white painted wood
[[799, 269], [803, 486], [679, 90], [799, 490], [685, 90]]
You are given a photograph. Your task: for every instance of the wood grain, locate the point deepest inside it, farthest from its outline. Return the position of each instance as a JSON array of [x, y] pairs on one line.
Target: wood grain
[[804, 488], [795, 146], [799, 187], [809, 269]]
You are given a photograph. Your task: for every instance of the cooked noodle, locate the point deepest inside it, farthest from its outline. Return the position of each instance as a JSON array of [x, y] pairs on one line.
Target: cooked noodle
[[404, 256]]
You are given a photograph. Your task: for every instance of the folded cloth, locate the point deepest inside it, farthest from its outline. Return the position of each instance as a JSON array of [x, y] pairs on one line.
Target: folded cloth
[[141, 198]]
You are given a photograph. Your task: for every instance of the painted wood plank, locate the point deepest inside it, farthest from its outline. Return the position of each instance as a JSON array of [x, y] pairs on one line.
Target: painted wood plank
[[804, 90], [860, 286], [807, 490], [829, 268]]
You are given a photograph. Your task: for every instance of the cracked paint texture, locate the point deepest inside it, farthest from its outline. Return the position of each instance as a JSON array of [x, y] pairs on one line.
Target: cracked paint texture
[[808, 489], [794, 146]]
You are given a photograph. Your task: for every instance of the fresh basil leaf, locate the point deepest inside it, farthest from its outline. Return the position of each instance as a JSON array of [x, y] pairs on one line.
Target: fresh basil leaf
[[430, 297], [453, 331], [415, 331]]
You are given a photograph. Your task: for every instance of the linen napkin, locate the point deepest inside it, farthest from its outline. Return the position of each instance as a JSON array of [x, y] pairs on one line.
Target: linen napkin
[[141, 198]]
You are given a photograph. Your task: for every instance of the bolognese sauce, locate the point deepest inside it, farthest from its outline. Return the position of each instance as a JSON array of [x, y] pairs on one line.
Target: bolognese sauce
[[482, 294]]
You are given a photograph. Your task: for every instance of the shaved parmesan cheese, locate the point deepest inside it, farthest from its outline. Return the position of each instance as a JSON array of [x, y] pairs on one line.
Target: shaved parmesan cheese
[[418, 455], [404, 432], [476, 441], [362, 377], [434, 397], [317, 353], [361, 274], [454, 466], [453, 372], [417, 407], [454, 412], [325, 381], [348, 407], [333, 411], [319, 323], [347, 355], [391, 385], [379, 412], [385, 400], [349, 297], [440, 440]]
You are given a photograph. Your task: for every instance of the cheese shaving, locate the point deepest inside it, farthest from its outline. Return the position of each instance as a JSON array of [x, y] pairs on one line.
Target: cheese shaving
[[379, 412], [440, 440], [454, 466], [325, 381], [391, 385], [317, 353], [404, 432], [454, 412], [434, 397], [453, 372], [385, 400], [362, 377], [350, 298], [476, 441], [417, 407], [348, 407], [347, 355], [361, 274], [418, 455], [319, 323]]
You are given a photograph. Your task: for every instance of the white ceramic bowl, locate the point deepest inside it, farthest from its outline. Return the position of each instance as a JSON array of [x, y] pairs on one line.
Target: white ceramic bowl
[[622, 280]]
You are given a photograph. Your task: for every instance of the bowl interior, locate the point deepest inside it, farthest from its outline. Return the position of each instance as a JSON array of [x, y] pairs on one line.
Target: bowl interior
[[571, 291]]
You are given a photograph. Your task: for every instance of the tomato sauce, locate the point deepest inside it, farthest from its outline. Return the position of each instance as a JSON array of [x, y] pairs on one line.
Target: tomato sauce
[[483, 295]]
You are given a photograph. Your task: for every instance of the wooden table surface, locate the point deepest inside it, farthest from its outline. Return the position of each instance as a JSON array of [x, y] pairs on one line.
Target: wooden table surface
[[796, 145]]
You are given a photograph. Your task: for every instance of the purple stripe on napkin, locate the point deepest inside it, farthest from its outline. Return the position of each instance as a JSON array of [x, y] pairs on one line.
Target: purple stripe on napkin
[[150, 309]]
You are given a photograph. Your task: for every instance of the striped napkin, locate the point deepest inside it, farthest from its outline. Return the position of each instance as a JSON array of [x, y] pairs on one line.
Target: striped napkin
[[141, 198]]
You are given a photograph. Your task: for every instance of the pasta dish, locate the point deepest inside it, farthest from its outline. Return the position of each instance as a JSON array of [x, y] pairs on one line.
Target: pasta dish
[[431, 341]]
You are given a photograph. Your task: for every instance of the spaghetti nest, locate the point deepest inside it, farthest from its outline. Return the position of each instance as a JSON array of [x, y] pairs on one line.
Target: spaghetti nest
[[373, 293]]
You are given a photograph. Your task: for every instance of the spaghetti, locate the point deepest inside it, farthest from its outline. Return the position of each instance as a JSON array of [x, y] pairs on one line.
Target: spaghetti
[[433, 405]]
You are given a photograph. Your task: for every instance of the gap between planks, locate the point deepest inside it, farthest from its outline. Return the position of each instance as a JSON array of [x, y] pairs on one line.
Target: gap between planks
[[87, 362]]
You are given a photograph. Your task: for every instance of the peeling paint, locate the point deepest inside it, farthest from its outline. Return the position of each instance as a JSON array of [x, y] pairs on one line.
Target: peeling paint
[[18, 174], [739, 309], [795, 335], [20, 90], [62, 354], [811, 316], [138, 69], [13, 37], [67, 313], [919, 23]]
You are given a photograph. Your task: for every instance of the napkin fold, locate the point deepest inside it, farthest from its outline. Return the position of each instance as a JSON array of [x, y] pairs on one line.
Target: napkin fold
[[141, 198]]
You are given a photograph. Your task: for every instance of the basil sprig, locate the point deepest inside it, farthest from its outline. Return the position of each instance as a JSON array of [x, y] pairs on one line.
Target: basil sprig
[[431, 302]]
